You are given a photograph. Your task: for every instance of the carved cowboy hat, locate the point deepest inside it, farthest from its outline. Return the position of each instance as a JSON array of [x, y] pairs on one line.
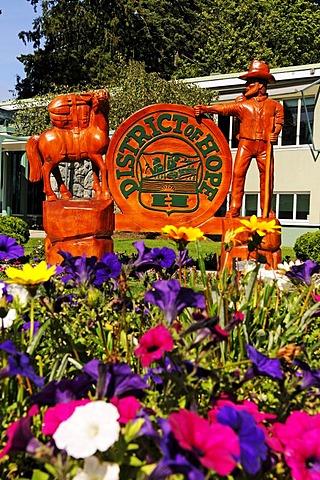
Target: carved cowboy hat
[[259, 69]]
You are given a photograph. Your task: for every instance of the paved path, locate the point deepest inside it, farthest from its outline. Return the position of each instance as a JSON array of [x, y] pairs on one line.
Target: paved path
[[37, 234]]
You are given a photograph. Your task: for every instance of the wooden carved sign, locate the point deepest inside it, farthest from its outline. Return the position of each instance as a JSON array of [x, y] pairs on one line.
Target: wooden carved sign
[[164, 167]]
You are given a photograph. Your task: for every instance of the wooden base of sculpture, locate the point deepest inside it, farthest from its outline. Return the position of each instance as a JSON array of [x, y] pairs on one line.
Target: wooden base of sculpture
[[269, 251], [78, 227]]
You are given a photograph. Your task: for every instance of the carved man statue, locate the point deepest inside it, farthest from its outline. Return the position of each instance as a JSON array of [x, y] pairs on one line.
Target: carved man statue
[[261, 120]]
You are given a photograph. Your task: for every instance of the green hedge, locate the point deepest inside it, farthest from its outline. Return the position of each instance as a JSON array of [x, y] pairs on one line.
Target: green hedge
[[14, 227], [307, 246]]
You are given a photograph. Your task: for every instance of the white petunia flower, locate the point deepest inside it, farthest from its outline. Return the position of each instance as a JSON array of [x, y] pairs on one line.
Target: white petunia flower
[[270, 276], [286, 267], [20, 292], [91, 427], [7, 321], [94, 470]]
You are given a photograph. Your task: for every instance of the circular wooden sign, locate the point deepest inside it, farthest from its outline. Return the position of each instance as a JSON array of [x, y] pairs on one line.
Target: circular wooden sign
[[165, 166]]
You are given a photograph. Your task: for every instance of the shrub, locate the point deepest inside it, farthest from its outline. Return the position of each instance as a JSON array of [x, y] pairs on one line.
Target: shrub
[[307, 246], [14, 227]]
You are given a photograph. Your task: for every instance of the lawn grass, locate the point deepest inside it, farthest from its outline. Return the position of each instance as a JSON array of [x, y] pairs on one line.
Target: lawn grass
[[125, 246]]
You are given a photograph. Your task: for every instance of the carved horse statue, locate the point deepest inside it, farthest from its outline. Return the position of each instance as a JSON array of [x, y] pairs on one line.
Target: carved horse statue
[[72, 139]]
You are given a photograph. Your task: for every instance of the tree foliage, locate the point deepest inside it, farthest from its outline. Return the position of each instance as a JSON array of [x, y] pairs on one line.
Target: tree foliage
[[87, 41], [280, 32], [78, 42], [133, 90]]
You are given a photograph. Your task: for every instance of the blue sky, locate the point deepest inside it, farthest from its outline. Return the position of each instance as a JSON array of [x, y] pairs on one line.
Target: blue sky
[[16, 15]]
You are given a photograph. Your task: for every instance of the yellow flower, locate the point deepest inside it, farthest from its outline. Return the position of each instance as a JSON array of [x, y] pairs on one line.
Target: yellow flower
[[261, 227], [183, 233], [30, 276]]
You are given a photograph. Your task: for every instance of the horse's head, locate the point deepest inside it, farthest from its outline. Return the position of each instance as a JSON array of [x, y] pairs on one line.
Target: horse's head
[[101, 100]]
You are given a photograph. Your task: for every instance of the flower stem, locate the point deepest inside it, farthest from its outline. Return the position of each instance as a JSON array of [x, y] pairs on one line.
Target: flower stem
[[31, 320]]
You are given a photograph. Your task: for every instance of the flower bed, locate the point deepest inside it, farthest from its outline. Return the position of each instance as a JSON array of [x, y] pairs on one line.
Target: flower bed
[[152, 370]]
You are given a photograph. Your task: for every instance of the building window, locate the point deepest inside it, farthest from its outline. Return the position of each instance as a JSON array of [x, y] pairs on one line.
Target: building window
[[289, 131], [307, 114], [297, 113], [285, 209], [287, 206], [303, 206], [250, 204], [295, 131]]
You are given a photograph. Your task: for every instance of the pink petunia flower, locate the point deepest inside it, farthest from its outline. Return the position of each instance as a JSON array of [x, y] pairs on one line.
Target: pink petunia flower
[[298, 439], [59, 413], [216, 446], [20, 436], [153, 344], [127, 407]]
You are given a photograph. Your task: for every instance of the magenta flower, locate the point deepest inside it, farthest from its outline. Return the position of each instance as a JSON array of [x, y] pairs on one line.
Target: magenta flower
[[20, 436], [172, 298], [299, 437], [153, 344], [236, 319], [59, 413], [216, 446], [9, 248], [127, 408]]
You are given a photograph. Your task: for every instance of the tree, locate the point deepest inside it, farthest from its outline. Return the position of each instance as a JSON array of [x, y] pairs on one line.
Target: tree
[[280, 32], [77, 42], [133, 90]]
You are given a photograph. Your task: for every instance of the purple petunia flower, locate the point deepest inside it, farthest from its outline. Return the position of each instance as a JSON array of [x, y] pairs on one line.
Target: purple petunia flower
[[79, 270], [172, 298], [253, 448], [304, 271], [4, 293], [183, 259], [262, 365], [63, 391], [26, 327], [310, 377], [108, 267], [152, 258], [18, 364], [115, 379], [9, 248]]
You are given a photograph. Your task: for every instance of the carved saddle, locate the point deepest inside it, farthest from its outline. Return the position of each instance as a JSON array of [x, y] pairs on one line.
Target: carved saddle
[[71, 111]]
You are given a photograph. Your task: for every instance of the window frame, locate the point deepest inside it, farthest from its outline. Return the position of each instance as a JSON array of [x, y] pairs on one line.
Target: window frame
[[276, 195]]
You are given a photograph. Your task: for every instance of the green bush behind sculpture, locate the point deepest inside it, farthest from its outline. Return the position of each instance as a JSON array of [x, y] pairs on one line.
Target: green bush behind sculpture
[[307, 246], [14, 227]]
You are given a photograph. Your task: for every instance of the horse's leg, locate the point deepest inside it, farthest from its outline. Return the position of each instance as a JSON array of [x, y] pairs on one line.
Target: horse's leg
[[61, 186], [99, 162], [96, 182], [46, 170]]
